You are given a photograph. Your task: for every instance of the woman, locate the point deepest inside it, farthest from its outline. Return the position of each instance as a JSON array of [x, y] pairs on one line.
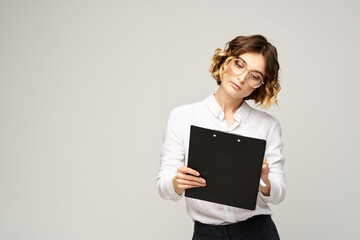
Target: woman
[[247, 69]]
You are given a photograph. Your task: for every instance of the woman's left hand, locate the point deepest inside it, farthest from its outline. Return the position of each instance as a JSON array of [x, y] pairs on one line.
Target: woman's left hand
[[264, 176]]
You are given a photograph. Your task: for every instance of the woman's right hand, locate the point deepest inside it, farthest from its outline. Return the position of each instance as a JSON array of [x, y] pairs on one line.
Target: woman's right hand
[[187, 178]]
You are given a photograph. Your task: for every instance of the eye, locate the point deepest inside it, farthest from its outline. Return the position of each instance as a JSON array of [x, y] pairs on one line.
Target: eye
[[256, 76], [239, 64]]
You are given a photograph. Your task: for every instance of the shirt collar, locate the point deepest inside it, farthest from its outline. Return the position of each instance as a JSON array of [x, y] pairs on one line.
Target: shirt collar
[[241, 114]]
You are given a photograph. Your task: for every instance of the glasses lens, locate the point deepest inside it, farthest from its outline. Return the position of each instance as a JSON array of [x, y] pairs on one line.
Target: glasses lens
[[238, 66], [255, 79]]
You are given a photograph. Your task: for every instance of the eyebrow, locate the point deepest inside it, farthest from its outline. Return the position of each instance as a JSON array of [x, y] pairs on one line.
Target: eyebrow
[[251, 70]]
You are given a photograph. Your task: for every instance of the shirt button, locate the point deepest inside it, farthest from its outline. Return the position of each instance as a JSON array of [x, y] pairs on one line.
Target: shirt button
[[229, 209]]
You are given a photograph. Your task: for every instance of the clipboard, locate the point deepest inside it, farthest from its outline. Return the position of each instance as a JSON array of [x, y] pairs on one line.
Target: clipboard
[[231, 165]]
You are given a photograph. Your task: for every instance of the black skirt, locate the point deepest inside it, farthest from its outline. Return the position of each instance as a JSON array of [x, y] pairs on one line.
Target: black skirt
[[260, 227]]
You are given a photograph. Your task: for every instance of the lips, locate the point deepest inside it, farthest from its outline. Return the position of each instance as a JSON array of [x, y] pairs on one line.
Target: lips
[[235, 86]]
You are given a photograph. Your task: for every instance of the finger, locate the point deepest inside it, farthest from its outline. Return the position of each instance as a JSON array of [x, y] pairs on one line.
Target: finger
[[186, 182], [187, 186], [265, 161], [190, 178], [265, 169], [185, 169]]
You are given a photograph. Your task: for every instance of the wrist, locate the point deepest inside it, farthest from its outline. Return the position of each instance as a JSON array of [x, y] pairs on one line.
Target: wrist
[[266, 190]]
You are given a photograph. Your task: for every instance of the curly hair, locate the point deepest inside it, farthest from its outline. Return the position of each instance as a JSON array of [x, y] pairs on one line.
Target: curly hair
[[266, 94]]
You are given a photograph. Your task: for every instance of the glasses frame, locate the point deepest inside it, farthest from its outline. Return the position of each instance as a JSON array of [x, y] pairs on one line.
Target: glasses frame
[[245, 69]]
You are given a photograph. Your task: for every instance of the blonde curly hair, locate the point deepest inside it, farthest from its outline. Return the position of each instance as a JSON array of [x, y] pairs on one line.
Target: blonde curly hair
[[265, 95]]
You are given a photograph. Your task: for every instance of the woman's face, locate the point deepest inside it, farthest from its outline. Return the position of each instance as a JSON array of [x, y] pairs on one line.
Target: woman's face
[[237, 86]]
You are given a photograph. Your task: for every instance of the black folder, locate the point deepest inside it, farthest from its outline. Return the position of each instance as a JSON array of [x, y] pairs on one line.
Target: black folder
[[231, 165]]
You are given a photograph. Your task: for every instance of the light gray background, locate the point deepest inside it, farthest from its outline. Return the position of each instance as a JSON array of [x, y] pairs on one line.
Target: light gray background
[[86, 88]]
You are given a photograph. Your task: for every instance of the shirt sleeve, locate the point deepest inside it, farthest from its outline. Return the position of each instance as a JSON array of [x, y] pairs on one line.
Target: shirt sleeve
[[276, 160], [172, 156]]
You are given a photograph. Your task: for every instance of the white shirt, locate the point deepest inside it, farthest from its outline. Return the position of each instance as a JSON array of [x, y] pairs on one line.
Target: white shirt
[[208, 114]]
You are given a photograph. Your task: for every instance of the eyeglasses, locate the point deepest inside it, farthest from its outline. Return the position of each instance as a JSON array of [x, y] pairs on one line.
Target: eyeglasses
[[255, 78]]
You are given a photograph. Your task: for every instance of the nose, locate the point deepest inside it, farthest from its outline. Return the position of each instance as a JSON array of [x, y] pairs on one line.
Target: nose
[[242, 77]]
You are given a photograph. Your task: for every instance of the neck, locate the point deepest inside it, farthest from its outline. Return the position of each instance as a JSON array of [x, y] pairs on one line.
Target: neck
[[226, 102]]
